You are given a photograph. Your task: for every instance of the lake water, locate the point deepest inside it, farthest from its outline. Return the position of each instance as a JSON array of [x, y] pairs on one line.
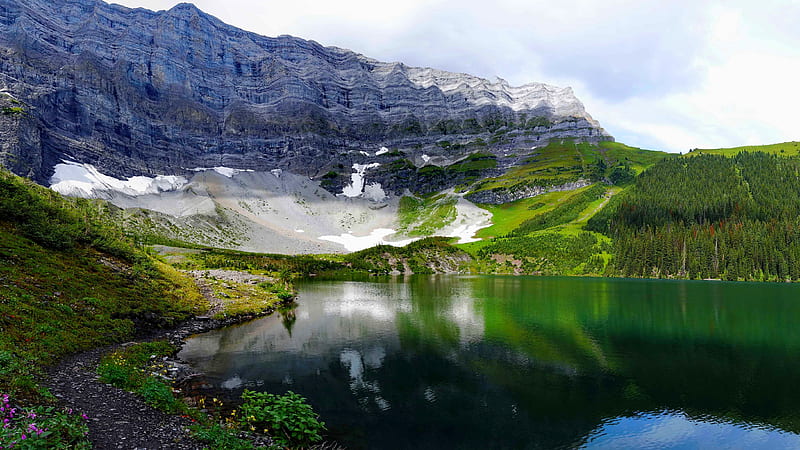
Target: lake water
[[485, 362]]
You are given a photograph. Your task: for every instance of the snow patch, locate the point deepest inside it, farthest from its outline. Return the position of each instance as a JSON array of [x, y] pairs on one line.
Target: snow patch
[[356, 243], [364, 153], [276, 172], [356, 186], [382, 151], [426, 158], [299, 231], [84, 180], [465, 233]]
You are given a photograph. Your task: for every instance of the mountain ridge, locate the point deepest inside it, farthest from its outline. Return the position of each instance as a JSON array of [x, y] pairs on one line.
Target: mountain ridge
[[137, 92]]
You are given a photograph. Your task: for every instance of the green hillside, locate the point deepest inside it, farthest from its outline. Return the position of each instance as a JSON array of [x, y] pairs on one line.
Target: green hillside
[[783, 149], [545, 234], [72, 280], [710, 216], [567, 161]]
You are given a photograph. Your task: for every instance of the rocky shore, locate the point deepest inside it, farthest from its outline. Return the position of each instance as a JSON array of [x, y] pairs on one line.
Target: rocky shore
[[121, 420]]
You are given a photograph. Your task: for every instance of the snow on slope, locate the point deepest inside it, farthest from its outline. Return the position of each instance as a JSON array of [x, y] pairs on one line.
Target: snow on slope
[[84, 180], [376, 237], [278, 211]]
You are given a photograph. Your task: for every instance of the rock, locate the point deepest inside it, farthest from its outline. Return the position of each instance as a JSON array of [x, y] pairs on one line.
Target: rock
[[502, 195], [136, 92]]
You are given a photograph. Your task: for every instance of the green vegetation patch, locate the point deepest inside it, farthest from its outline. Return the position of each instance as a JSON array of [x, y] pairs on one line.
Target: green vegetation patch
[[474, 163], [280, 266], [782, 149], [41, 427], [139, 368], [71, 280], [426, 256], [548, 253], [288, 417], [709, 216], [566, 161], [240, 298], [425, 216], [565, 212]]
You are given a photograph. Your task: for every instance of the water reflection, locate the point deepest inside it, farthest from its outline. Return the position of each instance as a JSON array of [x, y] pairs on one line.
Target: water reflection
[[669, 429], [515, 362]]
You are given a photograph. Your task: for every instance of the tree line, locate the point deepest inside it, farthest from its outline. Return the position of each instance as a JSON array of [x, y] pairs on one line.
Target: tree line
[[709, 216]]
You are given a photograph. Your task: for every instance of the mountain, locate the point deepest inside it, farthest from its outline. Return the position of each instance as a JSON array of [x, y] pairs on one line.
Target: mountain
[[135, 92]]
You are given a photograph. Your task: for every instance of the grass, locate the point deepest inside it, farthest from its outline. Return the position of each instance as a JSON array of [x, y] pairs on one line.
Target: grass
[[54, 303], [556, 163], [509, 216], [617, 152], [139, 368], [566, 211], [240, 299], [565, 161], [69, 281], [782, 149], [560, 246], [425, 216]]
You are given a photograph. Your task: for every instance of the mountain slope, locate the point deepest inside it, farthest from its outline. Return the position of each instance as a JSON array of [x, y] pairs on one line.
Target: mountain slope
[[136, 92], [71, 280], [709, 216]]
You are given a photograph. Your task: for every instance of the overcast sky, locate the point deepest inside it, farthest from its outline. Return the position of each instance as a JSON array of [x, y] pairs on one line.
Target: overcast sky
[[666, 75]]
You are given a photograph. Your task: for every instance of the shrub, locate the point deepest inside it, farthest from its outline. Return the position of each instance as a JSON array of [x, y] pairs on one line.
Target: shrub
[[219, 437], [133, 369], [159, 395], [288, 418], [41, 427]]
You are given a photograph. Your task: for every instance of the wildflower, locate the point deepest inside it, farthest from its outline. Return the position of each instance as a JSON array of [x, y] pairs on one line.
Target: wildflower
[[85, 417]]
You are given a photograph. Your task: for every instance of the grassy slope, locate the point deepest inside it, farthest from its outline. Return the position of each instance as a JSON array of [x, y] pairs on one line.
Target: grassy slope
[[70, 281], [429, 255], [782, 149], [554, 248], [566, 161], [424, 216], [544, 235]]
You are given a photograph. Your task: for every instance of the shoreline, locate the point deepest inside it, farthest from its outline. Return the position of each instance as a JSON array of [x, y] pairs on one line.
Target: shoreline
[[119, 419]]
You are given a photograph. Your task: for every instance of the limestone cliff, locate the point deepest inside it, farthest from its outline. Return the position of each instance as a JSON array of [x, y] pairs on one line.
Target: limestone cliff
[[137, 92]]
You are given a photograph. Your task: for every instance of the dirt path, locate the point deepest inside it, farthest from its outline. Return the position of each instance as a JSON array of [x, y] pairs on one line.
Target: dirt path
[[119, 419]]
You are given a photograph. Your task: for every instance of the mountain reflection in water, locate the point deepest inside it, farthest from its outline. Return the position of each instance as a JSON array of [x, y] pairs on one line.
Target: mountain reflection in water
[[528, 362]]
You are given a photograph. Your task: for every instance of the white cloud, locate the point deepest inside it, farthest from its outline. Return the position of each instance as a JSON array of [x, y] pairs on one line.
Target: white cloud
[[667, 75]]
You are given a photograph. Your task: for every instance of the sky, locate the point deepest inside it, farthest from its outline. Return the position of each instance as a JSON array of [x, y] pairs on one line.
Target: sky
[[666, 75]]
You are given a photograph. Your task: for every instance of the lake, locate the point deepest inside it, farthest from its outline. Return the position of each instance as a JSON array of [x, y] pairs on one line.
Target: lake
[[479, 362]]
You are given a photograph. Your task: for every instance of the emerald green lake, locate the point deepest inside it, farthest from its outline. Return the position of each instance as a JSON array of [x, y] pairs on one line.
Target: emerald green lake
[[484, 362]]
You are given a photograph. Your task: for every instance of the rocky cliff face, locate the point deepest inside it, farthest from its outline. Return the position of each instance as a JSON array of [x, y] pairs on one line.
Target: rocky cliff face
[[136, 92]]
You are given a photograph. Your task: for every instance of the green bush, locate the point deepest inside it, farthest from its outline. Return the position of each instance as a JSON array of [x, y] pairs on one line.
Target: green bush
[[157, 394], [41, 427], [119, 375], [220, 438], [289, 419], [131, 369]]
